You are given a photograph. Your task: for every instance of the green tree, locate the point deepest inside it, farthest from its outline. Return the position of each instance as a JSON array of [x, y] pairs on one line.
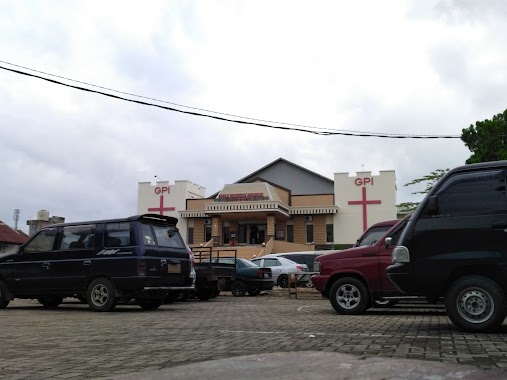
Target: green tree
[[487, 140], [429, 181]]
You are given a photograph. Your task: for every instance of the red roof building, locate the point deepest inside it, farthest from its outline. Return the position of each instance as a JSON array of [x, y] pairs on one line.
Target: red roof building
[[10, 238]]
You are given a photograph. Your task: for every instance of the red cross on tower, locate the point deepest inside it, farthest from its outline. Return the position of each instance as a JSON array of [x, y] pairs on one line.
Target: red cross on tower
[[161, 208], [365, 202]]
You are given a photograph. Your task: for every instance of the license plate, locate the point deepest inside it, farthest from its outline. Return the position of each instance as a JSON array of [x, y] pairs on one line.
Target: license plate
[[173, 268]]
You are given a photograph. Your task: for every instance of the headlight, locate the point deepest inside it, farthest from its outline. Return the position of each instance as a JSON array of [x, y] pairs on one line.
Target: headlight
[[400, 255], [316, 266]]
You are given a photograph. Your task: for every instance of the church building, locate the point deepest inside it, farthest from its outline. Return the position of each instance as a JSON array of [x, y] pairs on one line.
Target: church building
[[281, 207]]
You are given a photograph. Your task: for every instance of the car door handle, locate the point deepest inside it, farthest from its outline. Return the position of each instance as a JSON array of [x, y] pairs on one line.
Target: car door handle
[[45, 265], [87, 262]]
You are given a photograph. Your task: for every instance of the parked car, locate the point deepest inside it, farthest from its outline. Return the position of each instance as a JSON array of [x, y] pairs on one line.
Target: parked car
[[455, 246], [139, 258], [249, 277], [307, 258], [281, 267], [354, 279]]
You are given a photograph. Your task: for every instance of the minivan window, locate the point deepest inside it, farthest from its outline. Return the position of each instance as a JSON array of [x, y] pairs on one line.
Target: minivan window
[[75, 237], [168, 237], [473, 194], [148, 237], [118, 235], [43, 241]]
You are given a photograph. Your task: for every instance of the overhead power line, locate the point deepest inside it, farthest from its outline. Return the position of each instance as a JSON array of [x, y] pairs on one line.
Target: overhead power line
[[288, 126]]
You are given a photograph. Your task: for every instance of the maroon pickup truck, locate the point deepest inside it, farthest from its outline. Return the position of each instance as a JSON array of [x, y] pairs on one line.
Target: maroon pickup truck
[[355, 279]]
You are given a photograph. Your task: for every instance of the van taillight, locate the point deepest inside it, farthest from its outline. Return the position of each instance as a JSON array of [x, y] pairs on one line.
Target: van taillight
[[141, 268]]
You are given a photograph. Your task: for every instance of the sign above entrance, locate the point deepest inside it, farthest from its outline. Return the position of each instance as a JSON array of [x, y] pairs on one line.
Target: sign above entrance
[[241, 197]]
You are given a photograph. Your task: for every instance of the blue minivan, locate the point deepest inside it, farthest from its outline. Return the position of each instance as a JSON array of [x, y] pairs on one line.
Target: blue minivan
[[138, 259]]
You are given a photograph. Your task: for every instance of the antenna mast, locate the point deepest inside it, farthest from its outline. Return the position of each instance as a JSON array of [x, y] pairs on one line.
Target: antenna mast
[[16, 218]]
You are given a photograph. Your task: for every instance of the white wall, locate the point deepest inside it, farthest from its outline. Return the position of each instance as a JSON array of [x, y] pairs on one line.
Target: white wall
[[175, 196], [348, 222]]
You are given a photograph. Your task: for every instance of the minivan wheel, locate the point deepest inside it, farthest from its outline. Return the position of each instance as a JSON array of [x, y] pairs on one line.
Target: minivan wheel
[[476, 304], [3, 296], [348, 295], [50, 302], [100, 295]]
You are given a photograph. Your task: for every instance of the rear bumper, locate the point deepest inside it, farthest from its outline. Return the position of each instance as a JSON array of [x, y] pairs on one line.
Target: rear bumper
[[152, 283], [258, 284]]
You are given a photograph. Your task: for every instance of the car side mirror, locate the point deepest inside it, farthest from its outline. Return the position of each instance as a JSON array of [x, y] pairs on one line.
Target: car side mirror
[[388, 241], [432, 205]]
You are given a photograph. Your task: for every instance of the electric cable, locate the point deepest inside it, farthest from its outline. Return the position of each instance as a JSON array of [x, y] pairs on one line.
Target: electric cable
[[323, 132]]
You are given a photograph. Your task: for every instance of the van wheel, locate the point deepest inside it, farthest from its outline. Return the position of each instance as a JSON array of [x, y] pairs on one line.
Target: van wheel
[[348, 295], [238, 288], [149, 304], [384, 303], [100, 295], [3, 296], [476, 304], [283, 281], [50, 302]]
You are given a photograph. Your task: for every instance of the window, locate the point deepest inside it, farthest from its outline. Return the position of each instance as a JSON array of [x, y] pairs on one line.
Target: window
[[473, 194], [226, 235], [43, 241], [77, 237], [372, 236], [148, 238], [329, 233], [207, 233], [290, 233], [118, 235], [190, 237], [271, 262], [309, 233], [168, 237]]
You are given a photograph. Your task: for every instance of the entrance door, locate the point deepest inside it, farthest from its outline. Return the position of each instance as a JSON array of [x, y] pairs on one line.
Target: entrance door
[[252, 233]]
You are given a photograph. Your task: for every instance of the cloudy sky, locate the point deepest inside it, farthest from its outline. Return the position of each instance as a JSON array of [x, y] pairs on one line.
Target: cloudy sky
[[405, 67]]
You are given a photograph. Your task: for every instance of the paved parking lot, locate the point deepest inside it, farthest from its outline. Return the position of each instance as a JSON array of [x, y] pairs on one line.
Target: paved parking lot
[[74, 342]]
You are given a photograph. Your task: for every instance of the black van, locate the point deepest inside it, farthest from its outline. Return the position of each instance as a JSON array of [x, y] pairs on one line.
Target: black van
[[455, 246], [140, 258]]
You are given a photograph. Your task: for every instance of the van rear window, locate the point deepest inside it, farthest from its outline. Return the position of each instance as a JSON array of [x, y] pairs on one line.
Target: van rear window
[[167, 236]]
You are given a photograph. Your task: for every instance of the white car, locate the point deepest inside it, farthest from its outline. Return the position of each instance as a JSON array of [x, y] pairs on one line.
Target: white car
[[281, 267]]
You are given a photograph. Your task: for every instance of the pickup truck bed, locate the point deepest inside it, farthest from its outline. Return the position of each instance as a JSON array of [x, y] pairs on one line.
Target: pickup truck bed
[[212, 275]]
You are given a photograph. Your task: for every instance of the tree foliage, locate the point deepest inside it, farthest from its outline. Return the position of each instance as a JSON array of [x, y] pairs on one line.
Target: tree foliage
[[487, 140], [429, 181]]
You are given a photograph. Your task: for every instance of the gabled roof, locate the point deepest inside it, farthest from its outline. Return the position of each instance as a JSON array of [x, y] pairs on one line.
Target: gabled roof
[[255, 173], [294, 178], [9, 235]]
